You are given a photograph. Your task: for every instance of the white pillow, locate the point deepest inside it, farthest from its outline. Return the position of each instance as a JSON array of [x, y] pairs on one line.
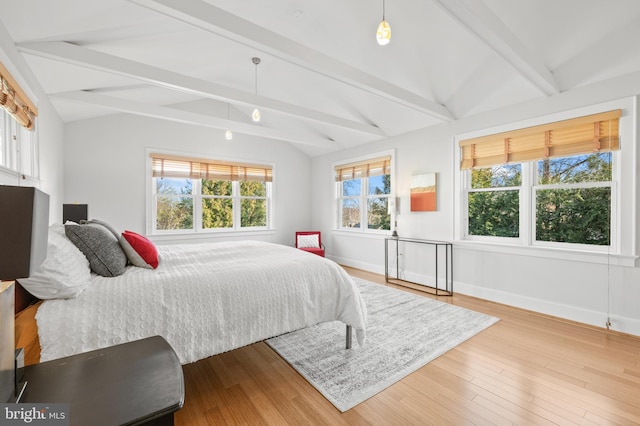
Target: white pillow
[[64, 274], [308, 241]]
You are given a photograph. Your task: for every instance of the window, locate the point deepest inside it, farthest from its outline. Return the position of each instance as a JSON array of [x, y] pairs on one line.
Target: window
[[494, 201], [18, 139], [573, 199], [198, 195], [364, 194], [550, 185], [18, 147], [15, 101]]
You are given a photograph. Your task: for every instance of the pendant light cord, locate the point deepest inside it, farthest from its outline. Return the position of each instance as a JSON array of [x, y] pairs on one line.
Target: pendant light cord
[[256, 61]]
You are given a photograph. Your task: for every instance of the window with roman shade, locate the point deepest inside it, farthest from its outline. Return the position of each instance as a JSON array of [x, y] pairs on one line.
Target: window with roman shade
[[163, 165], [552, 185], [584, 135], [367, 168], [15, 101], [364, 194], [18, 134], [208, 195]]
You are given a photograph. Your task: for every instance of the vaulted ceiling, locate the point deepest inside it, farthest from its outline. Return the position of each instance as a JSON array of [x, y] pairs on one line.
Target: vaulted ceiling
[[323, 83]]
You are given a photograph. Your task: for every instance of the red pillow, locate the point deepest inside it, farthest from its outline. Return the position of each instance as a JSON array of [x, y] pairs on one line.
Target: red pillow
[[140, 250]]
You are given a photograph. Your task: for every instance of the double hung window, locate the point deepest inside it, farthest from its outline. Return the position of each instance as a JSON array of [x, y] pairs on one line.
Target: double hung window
[[550, 185], [18, 136], [196, 195], [364, 194]]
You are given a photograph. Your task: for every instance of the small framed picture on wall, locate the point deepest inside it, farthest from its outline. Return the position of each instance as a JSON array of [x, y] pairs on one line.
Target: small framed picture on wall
[[424, 194]]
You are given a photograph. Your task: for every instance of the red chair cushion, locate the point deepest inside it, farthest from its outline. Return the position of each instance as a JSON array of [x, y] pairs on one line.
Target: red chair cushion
[[318, 251]]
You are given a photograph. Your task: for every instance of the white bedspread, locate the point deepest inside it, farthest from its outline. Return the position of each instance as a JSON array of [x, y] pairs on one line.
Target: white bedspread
[[204, 299]]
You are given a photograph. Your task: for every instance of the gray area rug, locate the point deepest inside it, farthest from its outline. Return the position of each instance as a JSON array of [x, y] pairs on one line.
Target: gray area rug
[[404, 333]]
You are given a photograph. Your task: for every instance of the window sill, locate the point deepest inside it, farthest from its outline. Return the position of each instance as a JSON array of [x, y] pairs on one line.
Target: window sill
[[180, 236], [551, 253], [13, 174], [363, 234]]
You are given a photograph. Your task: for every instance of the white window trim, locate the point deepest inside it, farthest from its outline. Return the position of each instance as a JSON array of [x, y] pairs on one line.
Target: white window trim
[[198, 232], [614, 247], [484, 238], [12, 150], [364, 230], [623, 250]]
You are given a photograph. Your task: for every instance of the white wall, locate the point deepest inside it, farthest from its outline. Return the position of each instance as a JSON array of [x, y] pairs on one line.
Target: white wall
[[105, 168], [583, 291], [50, 130], [102, 162]]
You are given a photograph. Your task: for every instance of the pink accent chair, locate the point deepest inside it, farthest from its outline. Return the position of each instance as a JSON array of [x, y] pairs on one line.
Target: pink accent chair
[[310, 241]]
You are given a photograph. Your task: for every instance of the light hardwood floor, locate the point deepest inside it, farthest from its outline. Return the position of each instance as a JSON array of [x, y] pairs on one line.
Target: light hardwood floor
[[526, 369]]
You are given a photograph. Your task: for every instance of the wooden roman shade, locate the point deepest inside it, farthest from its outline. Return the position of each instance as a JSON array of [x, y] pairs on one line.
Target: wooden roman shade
[[170, 166], [15, 101], [372, 167], [583, 135]]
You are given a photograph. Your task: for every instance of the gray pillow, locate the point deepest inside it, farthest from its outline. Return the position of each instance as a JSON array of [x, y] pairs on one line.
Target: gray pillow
[[100, 246], [105, 224]]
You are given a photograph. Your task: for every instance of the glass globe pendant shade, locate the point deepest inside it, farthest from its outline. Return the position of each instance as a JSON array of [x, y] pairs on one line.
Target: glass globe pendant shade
[[228, 135], [256, 115], [383, 35]]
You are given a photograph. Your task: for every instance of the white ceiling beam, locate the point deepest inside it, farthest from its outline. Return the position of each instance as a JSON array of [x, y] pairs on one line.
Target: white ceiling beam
[[481, 21], [185, 117], [88, 58], [476, 89], [205, 16]]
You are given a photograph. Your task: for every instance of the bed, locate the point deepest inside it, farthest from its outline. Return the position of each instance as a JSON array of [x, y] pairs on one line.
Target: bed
[[204, 299]]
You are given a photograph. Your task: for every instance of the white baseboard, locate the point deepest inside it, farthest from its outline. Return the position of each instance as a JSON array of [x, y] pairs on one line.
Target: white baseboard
[[370, 267], [572, 313], [568, 312]]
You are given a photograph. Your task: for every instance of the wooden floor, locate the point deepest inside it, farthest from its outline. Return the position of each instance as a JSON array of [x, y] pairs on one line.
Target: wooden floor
[[526, 369]]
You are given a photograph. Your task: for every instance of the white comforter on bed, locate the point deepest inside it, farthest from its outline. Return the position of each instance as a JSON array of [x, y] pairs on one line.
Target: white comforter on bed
[[204, 299]]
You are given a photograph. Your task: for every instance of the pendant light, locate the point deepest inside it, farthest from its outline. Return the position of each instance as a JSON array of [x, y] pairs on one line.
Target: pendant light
[[228, 135], [383, 34], [256, 112]]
